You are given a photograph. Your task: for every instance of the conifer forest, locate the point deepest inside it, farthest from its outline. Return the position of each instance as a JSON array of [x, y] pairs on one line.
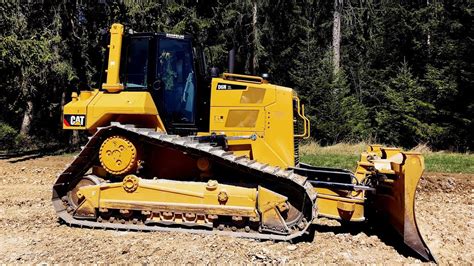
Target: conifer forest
[[399, 72]]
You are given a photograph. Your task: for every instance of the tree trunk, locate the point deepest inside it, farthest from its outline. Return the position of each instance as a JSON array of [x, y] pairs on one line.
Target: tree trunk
[[63, 102], [27, 118], [255, 37], [74, 141], [336, 35], [428, 38]]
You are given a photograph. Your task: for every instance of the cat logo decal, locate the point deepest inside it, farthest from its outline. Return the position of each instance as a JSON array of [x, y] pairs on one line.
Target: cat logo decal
[[74, 120]]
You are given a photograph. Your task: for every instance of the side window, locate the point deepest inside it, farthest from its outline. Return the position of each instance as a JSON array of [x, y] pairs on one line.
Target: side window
[[175, 70], [137, 63]]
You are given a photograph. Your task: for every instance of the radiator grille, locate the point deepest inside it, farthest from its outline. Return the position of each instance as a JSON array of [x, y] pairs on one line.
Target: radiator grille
[[296, 128]]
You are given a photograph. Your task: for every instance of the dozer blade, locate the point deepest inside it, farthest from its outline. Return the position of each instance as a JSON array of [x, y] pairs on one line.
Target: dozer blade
[[394, 198]]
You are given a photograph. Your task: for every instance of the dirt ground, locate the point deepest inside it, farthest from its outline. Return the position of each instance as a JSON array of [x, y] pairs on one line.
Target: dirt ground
[[30, 232]]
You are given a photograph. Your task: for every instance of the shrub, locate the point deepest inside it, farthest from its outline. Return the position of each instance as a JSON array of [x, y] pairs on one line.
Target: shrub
[[8, 136]]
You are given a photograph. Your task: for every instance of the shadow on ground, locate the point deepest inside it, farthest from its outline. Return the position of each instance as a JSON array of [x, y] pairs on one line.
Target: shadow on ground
[[21, 156]]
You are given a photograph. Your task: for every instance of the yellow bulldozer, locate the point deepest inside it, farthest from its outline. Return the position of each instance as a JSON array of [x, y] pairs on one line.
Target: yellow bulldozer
[[175, 147]]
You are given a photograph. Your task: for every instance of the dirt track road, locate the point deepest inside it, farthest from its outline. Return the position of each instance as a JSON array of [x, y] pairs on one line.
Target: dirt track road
[[30, 232]]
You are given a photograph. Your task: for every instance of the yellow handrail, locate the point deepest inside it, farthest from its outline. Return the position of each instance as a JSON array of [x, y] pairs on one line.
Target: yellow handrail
[[306, 123], [245, 78]]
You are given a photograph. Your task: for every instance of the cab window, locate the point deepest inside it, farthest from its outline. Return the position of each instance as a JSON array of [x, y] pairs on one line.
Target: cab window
[[137, 63], [175, 70]]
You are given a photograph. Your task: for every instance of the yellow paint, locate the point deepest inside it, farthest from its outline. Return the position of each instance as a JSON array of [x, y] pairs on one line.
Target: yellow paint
[[261, 108], [403, 170], [177, 198], [118, 155], [253, 95], [332, 205], [245, 78], [78, 106], [306, 124], [101, 108], [166, 195], [115, 47], [270, 205], [241, 118], [113, 104]]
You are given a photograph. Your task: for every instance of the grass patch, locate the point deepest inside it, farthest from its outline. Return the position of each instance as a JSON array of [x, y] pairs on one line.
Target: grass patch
[[341, 155], [340, 148], [346, 161], [449, 162], [345, 156]]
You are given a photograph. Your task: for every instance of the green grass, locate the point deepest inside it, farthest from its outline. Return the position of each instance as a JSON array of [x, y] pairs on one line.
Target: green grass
[[449, 162], [347, 155], [346, 161]]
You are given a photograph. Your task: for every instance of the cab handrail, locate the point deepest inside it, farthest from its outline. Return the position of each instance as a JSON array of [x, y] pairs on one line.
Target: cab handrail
[[306, 123], [244, 78]]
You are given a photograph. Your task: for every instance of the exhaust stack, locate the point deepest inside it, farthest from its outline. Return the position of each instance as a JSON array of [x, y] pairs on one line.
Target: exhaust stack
[[231, 60]]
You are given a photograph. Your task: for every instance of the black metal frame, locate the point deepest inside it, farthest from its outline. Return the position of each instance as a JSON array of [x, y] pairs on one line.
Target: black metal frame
[[333, 178]]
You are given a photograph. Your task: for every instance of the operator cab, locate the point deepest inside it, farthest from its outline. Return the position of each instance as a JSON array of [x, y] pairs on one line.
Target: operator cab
[[166, 65]]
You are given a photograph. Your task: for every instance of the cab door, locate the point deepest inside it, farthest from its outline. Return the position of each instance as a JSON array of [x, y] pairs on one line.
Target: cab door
[[175, 82]]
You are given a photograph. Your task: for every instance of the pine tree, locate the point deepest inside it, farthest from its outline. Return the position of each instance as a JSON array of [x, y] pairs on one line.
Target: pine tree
[[404, 117]]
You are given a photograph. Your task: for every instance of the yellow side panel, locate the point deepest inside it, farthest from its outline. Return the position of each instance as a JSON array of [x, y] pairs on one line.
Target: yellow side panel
[[279, 128], [241, 118], [77, 108], [252, 95], [132, 102], [246, 108], [98, 108], [224, 119]]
